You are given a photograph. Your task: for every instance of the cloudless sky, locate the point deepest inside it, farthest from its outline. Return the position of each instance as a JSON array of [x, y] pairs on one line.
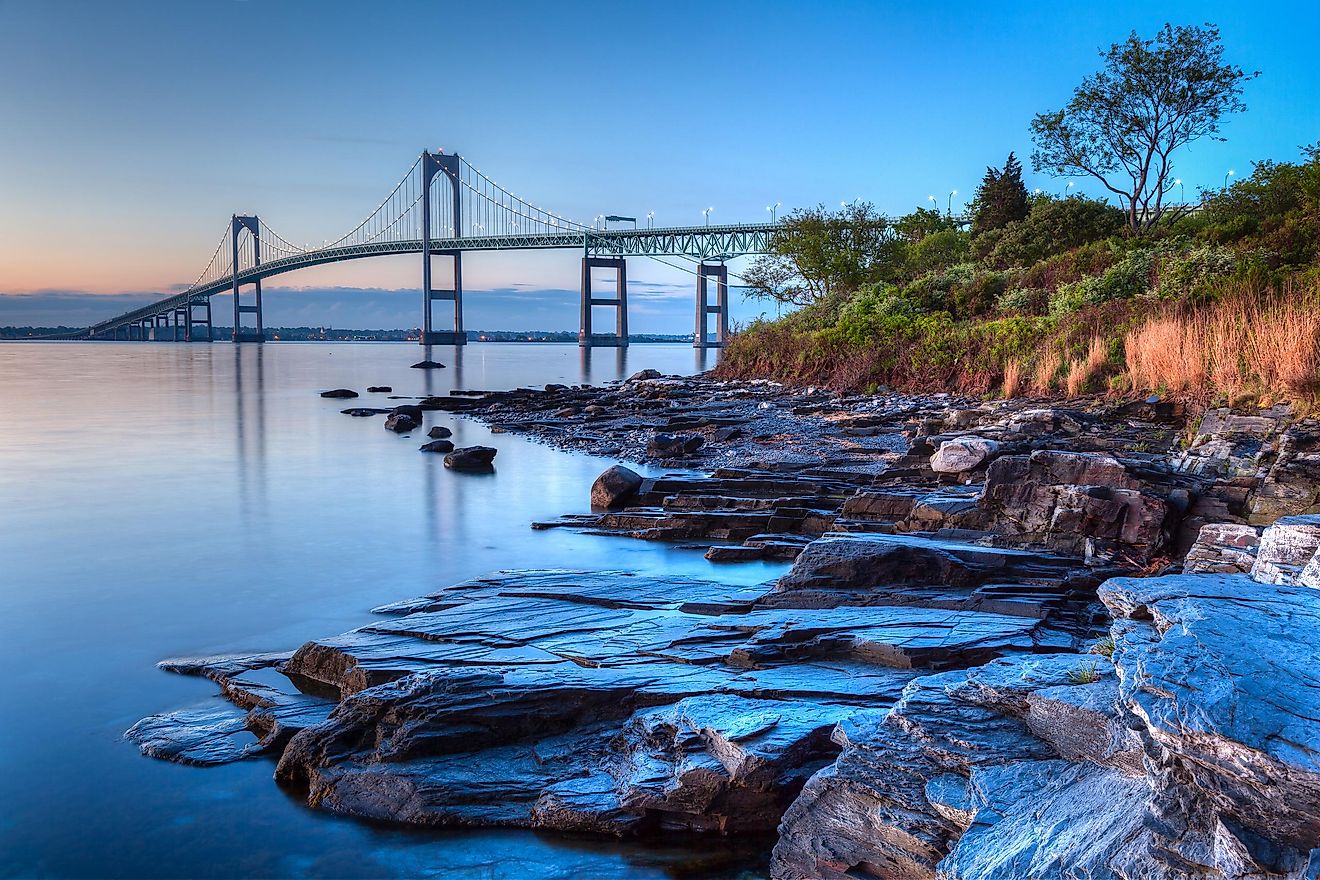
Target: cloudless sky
[[130, 131]]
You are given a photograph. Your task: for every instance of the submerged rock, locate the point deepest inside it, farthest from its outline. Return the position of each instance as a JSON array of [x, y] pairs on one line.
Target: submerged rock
[[400, 423], [379, 389], [471, 458], [339, 393], [437, 446], [428, 365]]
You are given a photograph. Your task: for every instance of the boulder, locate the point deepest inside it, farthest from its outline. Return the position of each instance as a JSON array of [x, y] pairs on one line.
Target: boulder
[[411, 410], [674, 445], [437, 446], [1223, 548], [471, 458], [1285, 549], [644, 375], [439, 432], [400, 423], [428, 365], [962, 454], [339, 393], [380, 389], [615, 486]]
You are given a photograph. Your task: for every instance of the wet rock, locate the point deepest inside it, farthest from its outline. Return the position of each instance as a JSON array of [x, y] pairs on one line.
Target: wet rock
[[201, 736], [380, 389], [364, 411], [471, 458], [962, 454], [614, 487], [339, 393], [674, 445], [645, 375], [400, 423], [428, 365], [439, 432], [437, 446], [411, 410]]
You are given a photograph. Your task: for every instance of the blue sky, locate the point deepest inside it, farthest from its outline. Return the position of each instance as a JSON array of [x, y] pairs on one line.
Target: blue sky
[[134, 129]]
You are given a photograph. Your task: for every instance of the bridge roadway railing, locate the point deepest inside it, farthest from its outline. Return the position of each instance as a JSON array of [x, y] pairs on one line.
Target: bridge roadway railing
[[694, 242]]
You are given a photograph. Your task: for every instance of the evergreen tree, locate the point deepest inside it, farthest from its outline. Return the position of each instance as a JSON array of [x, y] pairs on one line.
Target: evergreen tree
[[1001, 198]]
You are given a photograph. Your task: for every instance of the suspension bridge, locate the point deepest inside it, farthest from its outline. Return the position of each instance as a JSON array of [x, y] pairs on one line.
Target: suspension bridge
[[442, 208]]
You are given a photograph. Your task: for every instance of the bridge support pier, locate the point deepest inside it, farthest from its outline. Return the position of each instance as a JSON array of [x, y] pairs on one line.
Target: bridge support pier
[[430, 295], [586, 338], [450, 166], [193, 320], [720, 273], [242, 334]]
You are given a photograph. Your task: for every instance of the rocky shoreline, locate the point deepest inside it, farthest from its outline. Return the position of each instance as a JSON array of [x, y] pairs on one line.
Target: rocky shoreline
[[1018, 639]]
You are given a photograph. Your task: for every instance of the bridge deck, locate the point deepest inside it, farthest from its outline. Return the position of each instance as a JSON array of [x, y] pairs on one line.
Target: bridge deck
[[694, 242]]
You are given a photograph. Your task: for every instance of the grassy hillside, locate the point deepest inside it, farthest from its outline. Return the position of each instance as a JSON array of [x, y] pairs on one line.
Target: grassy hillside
[[1221, 301]]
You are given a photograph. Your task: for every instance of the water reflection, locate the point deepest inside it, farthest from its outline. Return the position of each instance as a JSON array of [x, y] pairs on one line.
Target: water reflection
[[160, 530]]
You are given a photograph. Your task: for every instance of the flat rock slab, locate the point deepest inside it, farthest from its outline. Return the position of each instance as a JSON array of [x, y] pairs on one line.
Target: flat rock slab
[[597, 701]]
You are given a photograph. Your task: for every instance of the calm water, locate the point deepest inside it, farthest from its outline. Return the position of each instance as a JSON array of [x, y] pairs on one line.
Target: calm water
[[164, 499]]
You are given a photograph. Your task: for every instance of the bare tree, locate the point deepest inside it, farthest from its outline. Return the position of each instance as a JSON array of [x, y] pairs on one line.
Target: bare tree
[[1124, 123]]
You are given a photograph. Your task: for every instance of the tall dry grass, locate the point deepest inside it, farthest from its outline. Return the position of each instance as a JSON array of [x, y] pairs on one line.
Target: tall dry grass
[[1244, 343], [1042, 377], [1082, 370], [1012, 377]]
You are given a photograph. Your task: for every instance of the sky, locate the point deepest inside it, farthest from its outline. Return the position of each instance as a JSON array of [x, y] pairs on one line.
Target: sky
[[131, 131]]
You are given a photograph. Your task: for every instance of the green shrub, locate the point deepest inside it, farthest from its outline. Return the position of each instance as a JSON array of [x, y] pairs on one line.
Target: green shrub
[[1052, 227], [1190, 273], [1023, 300]]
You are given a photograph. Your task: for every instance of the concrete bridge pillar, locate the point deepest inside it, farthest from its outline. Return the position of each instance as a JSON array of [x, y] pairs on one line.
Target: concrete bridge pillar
[[434, 164], [720, 273], [194, 320], [253, 225], [619, 303]]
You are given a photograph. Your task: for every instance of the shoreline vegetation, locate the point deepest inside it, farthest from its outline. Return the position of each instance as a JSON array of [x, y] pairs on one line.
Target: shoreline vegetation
[[1216, 299]]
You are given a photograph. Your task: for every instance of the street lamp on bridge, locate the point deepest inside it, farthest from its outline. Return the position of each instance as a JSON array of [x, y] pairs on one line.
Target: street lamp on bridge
[[706, 214], [952, 193], [650, 219], [1230, 173], [773, 209]]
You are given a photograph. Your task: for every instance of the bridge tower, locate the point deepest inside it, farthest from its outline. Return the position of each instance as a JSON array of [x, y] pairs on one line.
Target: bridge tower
[[720, 272], [586, 338], [253, 225], [451, 166]]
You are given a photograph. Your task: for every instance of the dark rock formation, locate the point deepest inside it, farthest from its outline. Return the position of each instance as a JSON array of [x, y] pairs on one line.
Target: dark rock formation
[[614, 486], [400, 423], [411, 410], [674, 445], [437, 446], [364, 411], [379, 389], [439, 432], [471, 458], [428, 365], [341, 393]]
